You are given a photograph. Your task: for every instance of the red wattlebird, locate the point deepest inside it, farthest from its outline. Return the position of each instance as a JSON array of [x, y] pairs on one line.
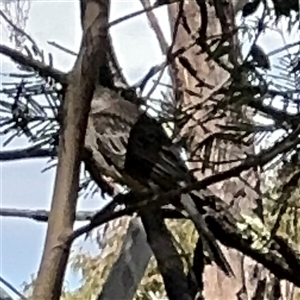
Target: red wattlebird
[[133, 148]]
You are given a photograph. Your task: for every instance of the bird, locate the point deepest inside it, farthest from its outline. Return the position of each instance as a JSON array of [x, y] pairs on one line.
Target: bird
[[133, 149]]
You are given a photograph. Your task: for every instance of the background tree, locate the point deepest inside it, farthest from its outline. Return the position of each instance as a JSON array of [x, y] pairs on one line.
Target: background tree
[[226, 96]]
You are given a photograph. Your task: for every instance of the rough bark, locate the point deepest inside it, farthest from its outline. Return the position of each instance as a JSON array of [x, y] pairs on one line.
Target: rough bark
[[75, 114], [217, 285], [126, 274]]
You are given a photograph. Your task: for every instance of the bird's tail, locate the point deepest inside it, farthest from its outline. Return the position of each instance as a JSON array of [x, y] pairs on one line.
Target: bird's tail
[[210, 244]]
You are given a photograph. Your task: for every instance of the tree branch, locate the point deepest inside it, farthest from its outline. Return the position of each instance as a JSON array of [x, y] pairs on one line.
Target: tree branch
[[155, 26], [30, 152], [224, 226], [276, 263], [39, 67], [12, 288], [40, 215], [168, 259], [38, 152]]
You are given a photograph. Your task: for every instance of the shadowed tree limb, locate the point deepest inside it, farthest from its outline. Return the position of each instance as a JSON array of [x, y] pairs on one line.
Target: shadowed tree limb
[[36, 65], [75, 114], [40, 215], [278, 256], [124, 271], [30, 152], [168, 260]]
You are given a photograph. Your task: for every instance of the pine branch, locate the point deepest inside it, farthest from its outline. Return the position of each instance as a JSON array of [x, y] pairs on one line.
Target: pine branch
[[39, 67], [225, 227], [30, 152]]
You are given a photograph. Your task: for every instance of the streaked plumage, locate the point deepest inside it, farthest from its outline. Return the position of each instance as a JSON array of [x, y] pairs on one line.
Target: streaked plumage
[[133, 149]]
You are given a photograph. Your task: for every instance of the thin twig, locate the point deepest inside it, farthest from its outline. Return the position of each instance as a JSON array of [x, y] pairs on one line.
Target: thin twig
[[139, 12], [54, 44], [155, 26], [17, 29], [129, 16], [40, 215]]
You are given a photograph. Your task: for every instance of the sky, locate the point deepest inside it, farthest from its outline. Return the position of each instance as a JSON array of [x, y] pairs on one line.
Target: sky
[[22, 185]]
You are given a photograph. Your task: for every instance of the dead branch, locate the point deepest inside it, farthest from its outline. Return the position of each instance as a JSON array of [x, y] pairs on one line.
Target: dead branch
[[161, 40], [62, 48], [30, 152], [79, 94], [155, 26], [139, 12], [38, 152], [36, 65], [17, 29]]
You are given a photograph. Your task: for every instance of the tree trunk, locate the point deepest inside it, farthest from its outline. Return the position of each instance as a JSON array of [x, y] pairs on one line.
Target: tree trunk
[[75, 115], [245, 199], [126, 274]]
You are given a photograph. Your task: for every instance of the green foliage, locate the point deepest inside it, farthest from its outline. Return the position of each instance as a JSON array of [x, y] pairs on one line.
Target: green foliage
[[282, 198], [94, 270], [281, 201]]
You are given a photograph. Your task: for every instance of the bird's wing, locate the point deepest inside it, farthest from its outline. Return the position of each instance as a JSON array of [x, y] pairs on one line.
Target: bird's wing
[[151, 155], [127, 142], [110, 121]]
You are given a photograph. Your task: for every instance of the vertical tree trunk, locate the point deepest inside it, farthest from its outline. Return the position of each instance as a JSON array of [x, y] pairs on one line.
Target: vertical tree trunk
[[76, 108], [134, 249], [249, 276]]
